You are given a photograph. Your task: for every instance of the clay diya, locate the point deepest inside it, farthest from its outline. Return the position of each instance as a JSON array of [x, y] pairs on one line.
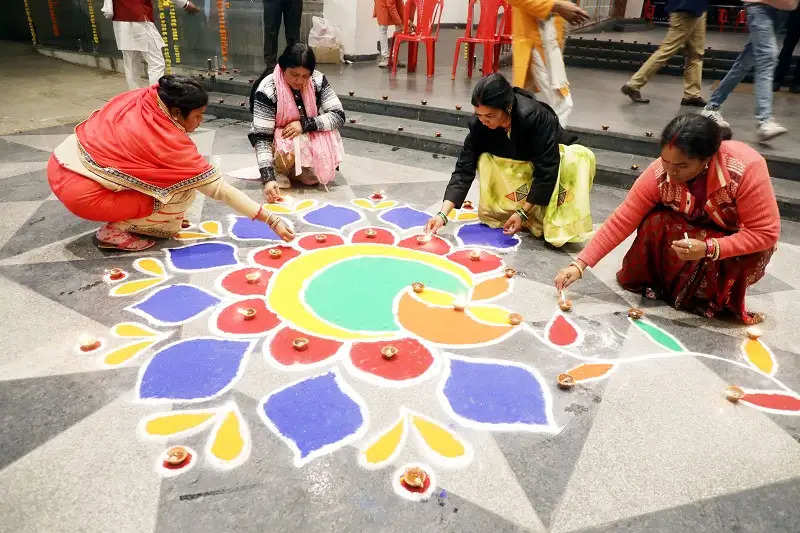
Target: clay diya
[[605, 127], [467, 205], [253, 277], [515, 319], [275, 253], [248, 313], [176, 455], [400, 128], [418, 286], [753, 332], [352, 121], [351, 93], [438, 133], [221, 100], [185, 224], [635, 313], [565, 305], [733, 393], [648, 133], [458, 108], [424, 102], [423, 239], [565, 381], [510, 272], [241, 104], [377, 196], [388, 352], [415, 477], [459, 304], [634, 167], [385, 97], [115, 274], [88, 343], [371, 233], [300, 343], [320, 237], [475, 255]]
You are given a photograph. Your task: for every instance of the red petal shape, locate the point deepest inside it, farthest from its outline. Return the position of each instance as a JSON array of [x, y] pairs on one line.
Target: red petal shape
[[779, 402], [436, 245], [237, 283], [561, 332], [230, 320], [309, 242], [411, 361], [262, 257], [487, 262], [381, 236], [318, 349]]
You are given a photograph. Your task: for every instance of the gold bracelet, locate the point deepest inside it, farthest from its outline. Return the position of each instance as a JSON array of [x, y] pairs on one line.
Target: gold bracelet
[[715, 257], [578, 266]]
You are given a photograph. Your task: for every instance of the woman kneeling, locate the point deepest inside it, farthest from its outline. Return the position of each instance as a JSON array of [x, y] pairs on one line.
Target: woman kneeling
[[707, 222], [133, 165], [527, 179]]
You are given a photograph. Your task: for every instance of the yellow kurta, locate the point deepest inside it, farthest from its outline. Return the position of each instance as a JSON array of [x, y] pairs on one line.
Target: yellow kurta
[[525, 35]]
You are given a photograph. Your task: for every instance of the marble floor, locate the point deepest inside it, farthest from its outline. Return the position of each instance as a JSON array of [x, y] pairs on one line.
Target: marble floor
[[646, 442]]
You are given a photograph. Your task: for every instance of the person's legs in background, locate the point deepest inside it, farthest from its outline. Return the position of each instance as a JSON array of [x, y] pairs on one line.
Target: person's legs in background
[[765, 56], [292, 16], [693, 63], [383, 45], [156, 66], [272, 25], [785, 57], [131, 60]]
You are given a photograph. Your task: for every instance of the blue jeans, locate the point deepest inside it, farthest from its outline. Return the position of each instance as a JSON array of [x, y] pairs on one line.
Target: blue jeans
[[761, 52]]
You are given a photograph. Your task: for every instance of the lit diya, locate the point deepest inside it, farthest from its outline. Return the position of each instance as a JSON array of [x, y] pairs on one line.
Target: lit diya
[[648, 133], [515, 319], [605, 127], [459, 304], [385, 97], [753, 332], [424, 102], [467, 204], [734, 393], [115, 274], [423, 239], [88, 343], [414, 477], [400, 128], [564, 304], [634, 167], [438, 134], [510, 272], [388, 352], [377, 196], [351, 93], [300, 343], [176, 456], [352, 121], [253, 277], [275, 253], [565, 381], [371, 233], [320, 237], [418, 286], [475, 255], [458, 108], [635, 313], [248, 313], [185, 224]]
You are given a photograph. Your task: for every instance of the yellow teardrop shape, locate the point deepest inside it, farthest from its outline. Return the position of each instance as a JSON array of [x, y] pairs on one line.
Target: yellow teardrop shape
[[467, 216], [759, 356], [172, 424], [125, 353], [362, 202], [436, 297], [133, 329], [133, 287], [191, 235], [490, 314], [439, 439], [277, 208], [386, 204], [228, 442], [211, 226], [150, 265], [305, 204], [383, 448]]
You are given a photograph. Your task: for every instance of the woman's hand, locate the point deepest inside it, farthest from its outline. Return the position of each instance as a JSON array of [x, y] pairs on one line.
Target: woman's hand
[[434, 224], [513, 224], [566, 277], [292, 130], [284, 231], [689, 250], [271, 191], [569, 11]]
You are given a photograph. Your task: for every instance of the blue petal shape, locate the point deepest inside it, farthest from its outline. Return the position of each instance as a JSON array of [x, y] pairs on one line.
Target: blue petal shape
[[483, 235], [175, 304], [332, 216], [203, 256], [496, 396], [314, 416], [244, 228], [193, 370], [405, 217]]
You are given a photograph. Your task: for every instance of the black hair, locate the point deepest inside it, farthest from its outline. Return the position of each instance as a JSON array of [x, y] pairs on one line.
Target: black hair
[[184, 93], [298, 55], [493, 91], [694, 134]]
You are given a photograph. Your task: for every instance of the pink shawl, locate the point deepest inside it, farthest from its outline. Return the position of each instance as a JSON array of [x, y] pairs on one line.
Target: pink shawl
[[320, 150]]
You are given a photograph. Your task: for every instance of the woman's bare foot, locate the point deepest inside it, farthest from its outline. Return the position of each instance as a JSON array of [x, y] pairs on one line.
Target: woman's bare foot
[[109, 236]]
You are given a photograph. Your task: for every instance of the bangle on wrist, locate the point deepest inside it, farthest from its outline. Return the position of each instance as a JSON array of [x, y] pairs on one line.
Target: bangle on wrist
[[522, 214], [260, 208], [443, 217], [578, 266], [715, 257]]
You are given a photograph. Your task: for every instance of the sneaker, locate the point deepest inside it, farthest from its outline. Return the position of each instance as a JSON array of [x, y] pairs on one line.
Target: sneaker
[[383, 63], [634, 94], [769, 129], [716, 116]]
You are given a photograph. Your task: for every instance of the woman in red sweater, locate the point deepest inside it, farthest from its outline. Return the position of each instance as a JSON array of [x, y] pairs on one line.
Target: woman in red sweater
[[719, 194]]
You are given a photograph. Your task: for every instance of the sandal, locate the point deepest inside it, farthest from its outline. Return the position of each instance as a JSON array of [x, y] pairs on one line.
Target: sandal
[[115, 239]]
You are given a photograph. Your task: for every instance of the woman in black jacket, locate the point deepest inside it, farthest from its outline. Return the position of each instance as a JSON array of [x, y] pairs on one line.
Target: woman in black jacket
[[527, 179]]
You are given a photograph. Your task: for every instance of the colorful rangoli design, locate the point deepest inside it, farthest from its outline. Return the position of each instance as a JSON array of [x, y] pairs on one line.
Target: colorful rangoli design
[[370, 306]]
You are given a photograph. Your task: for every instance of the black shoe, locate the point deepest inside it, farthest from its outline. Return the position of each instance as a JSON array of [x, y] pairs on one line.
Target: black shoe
[[634, 94], [696, 101]]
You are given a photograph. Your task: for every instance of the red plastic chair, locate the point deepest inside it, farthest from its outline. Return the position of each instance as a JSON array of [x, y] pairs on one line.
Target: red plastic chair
[[722, 18], [741, 20], [425, 30], [488, 34], [649, 11]]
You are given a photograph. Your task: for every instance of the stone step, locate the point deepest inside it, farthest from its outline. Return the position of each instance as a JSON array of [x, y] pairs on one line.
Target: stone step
[[418, 129]]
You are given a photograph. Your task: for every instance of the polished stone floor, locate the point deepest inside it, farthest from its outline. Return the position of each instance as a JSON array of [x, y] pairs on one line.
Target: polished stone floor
[[650, 446]]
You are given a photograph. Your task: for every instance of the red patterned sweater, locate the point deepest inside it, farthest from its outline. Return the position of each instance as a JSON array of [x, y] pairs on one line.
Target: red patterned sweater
[[740, 200]]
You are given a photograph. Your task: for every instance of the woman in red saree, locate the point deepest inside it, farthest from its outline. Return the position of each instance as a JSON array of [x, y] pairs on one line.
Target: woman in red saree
[[707, 221], [133, 165]]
